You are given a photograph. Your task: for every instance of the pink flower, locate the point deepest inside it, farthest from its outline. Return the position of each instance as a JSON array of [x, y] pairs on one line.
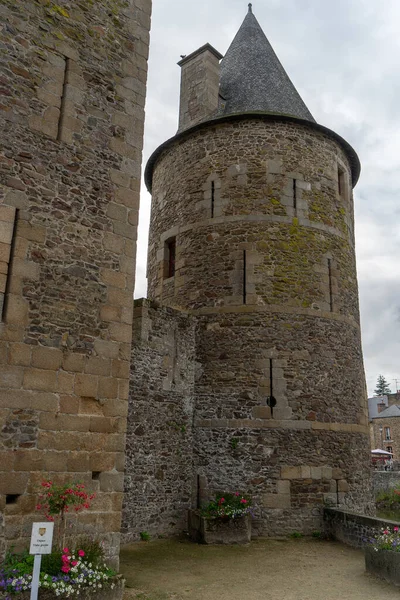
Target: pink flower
[[221, 500], [395, 528], [237, 494], [65, 550], [65, 558], [81, 553], [243, 501], [386, 532], [65, 569], [74, 563]]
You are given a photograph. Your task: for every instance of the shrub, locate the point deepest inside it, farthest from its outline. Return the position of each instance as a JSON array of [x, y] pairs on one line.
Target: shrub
[[66, 573], [386, 539], [227, 505]]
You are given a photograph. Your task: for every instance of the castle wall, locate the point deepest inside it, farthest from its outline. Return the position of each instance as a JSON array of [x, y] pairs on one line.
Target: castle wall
[[262, 216], [72, 111], [159, 469]]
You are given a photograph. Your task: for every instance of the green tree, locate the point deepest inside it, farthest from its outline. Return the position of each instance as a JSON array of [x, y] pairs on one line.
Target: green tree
[[382, 387]]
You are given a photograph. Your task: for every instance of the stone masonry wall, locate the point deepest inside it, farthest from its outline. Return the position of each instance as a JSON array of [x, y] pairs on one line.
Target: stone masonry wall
[[159, 470], [73, 82], [261, 211]]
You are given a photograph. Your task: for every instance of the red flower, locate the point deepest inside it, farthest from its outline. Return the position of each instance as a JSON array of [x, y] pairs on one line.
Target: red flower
[[221, 500], [65, 569], [243, 501], [81, 553], [74, 563]]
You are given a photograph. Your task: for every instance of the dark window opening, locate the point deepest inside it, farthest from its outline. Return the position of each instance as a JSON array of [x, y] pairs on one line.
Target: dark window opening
[[212, 198], [244, 278], [294, 193], [330, 284], [170, 257], [341, 182], [12, 498], [63, 100], [389, 449], [9, 272]]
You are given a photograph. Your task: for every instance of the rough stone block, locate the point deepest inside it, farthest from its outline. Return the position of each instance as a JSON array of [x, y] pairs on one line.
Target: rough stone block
[[74, 362], [20, 354], [13, 483], [291, 473], [108, 387], [39, 379], [316, 473], [276, 500], [283, 487], [11, 377], [86, 385], [46, 358], [262, 412], [111, 482]]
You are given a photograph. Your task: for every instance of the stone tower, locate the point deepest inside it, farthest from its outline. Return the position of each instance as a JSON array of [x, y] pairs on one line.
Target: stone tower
[[252, 235], [72, 112]]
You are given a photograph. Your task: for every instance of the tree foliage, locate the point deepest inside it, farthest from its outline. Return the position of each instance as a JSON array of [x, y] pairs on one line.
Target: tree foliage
[[382, 387]]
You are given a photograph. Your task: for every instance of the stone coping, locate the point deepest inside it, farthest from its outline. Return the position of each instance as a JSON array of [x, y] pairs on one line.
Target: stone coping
[[280, 424], [264, 116]]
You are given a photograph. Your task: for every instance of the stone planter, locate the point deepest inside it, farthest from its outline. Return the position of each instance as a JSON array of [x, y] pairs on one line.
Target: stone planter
[[215, 531], [383, 564], [104, 594]]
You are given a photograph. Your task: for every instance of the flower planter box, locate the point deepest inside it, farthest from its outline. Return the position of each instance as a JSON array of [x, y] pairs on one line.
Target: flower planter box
[[217, 531], [383, 564], [105, 593]]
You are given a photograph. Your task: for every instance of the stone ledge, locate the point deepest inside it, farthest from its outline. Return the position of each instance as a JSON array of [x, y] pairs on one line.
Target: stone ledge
[[279, 424]]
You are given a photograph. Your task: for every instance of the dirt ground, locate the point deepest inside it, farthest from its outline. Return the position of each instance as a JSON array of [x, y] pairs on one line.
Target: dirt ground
[[292, 569]]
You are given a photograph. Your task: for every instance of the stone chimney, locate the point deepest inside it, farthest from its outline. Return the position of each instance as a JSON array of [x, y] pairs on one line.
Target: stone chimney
[[199, 86], [381, 406]]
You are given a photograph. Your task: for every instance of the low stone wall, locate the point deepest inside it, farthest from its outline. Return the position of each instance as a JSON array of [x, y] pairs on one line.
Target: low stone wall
[[351, 528], [383, 564], [383, 481]]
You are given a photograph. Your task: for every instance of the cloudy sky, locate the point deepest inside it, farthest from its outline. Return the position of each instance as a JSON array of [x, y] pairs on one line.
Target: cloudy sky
[[344, 59]]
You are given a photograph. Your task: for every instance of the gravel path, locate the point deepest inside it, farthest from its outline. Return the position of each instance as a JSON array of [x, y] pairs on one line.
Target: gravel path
[[301, 569]]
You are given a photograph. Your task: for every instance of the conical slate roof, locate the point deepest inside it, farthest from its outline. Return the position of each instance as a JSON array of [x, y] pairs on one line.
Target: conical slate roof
[[253, 79]]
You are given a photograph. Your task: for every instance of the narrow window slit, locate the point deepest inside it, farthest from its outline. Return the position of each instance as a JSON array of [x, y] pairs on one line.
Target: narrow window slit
[[244, 278], [169, 258], [330, 284], [10, 265], [212, 198], [295, 194], [341, 182], [63, 100], [271, 400]]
